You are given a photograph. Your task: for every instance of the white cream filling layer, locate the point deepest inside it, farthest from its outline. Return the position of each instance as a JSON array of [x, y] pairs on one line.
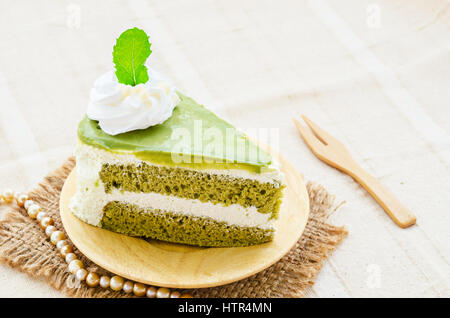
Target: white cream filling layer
[[88, 207], [90, 198], [103, 156]]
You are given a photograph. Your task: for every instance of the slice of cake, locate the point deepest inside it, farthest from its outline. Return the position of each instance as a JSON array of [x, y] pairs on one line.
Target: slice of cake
[[152, 163]]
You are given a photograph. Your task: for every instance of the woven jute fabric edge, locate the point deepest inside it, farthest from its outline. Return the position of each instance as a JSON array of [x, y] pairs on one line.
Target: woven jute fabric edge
[[24, 246]]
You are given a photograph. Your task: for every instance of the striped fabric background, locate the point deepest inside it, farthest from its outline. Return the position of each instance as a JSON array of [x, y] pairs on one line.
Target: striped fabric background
[[375, 73]]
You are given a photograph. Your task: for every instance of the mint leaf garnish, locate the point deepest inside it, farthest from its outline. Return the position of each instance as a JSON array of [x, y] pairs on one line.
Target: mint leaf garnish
[[129, 55]]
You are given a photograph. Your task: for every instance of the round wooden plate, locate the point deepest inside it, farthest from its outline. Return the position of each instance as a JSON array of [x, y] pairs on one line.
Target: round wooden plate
[[181, 266]]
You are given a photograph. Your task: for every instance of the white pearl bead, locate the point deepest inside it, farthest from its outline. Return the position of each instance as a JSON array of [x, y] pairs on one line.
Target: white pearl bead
[[46, 221], [139, 289], [105, 281], [70, 257], [151, 292], [163, 293], [61, 243], [65, 250], [128, 287], [116, 283], [20, 199], [8, 195], [75, 265], [57, 236], [81, 274], [41, 215], [175, 294], [50, 230], [92, 280], [28, 203], [33, 210]]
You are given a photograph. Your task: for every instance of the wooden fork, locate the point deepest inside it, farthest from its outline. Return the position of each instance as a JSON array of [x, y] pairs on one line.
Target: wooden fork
[[333, 152]]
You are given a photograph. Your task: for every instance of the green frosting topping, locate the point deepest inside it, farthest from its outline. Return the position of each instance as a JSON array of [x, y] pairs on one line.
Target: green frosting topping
[[192, 137]]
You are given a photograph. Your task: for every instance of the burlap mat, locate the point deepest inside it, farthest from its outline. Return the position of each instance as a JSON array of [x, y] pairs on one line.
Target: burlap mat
[[23, 245]]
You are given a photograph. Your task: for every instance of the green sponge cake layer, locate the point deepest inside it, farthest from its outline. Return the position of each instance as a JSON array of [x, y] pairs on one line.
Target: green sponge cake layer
[[132, 220], [191, 184]]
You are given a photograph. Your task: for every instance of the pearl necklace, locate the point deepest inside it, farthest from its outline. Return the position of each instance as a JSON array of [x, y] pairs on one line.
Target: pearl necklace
[[75, 266]]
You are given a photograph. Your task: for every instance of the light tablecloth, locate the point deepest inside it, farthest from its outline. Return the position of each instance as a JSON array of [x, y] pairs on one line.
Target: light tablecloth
[[376, 74]]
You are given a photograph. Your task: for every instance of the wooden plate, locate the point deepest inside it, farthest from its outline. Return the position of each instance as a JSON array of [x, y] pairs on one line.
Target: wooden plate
[[181, 266]]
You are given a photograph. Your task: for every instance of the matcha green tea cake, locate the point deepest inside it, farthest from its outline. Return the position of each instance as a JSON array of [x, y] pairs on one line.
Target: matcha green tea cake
[[155, 164]]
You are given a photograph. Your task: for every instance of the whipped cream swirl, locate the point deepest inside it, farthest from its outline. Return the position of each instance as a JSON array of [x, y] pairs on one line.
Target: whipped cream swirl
[[120, 108]]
